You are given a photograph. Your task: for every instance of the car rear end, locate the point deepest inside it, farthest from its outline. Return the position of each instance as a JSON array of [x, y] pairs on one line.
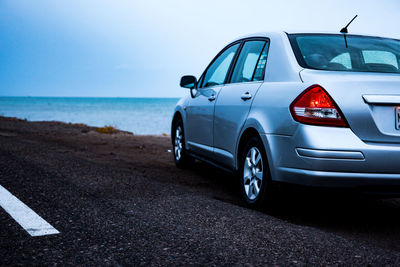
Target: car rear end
[[348, 118]]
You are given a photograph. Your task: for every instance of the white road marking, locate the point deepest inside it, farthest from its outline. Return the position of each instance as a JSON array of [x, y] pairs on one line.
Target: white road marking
[[27, 218]]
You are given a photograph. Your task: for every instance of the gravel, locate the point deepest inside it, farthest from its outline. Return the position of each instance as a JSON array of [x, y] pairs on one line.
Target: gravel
[[119, 200]]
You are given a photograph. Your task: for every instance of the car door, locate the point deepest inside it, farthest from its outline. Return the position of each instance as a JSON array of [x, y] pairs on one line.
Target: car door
[[200, 111], [235, 98]]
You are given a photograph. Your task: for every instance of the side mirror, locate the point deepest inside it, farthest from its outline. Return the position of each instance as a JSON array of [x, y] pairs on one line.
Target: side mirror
[[189, 82]]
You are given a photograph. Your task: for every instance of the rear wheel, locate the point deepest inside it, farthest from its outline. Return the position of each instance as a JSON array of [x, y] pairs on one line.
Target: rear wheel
[[182, 159], [255, 180]]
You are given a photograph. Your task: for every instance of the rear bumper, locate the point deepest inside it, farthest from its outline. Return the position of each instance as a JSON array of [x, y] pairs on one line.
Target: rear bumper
[[331, 157], [337, 179]]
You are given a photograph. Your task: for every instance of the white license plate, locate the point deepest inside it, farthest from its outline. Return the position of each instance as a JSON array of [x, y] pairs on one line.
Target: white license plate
[[397, 118]]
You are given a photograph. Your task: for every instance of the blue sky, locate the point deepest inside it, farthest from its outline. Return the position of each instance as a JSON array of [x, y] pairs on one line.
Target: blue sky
[[142, 48]]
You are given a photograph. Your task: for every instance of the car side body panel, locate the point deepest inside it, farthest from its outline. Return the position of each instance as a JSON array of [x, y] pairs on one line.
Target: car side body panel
[[180, 109], [199, 121], [231, 112]]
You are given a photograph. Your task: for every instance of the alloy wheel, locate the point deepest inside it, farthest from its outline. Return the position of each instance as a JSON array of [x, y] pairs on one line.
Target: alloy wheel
[[178, 145], [253, 173]]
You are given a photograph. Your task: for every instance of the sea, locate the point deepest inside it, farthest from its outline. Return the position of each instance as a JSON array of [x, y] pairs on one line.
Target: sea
[[144, 116]]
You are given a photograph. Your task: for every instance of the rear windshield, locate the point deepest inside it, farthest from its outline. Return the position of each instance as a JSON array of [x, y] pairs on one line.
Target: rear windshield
[[353, 53]]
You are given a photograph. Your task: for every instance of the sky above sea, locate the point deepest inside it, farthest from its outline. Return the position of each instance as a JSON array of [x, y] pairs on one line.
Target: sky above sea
[[137, 48]]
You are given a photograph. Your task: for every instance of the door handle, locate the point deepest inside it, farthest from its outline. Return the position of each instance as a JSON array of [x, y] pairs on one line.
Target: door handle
[[246, 96], [211, 98]]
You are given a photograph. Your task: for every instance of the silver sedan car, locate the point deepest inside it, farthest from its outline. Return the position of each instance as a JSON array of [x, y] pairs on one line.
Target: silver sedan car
[[316, 109]]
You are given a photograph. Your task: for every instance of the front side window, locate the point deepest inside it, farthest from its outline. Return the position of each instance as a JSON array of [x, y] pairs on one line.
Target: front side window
[[251, 62], [199, 82], [353, 53], [218, 70]]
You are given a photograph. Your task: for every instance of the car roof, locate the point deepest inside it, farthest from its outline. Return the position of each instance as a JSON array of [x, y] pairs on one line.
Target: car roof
[[337, 32], [281, 32]]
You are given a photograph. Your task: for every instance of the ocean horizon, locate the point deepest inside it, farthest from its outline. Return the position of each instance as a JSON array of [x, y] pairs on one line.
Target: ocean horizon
[[144, 116]]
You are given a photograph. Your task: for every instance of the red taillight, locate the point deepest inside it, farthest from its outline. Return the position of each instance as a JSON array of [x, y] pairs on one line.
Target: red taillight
[[315, 106]]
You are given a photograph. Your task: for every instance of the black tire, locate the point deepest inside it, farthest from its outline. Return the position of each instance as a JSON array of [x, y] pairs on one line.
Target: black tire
[[264, 197], [183, 160]]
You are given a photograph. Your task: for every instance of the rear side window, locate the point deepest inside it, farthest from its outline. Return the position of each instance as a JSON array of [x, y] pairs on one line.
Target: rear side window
[[343, 59], [353, 53], [251, 62], [260, 68], [218, 70]]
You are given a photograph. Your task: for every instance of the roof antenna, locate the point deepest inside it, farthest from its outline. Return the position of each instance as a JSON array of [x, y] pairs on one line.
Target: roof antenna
[[344, 30]]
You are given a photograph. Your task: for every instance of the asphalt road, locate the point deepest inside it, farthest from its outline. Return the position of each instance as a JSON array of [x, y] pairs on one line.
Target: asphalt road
[[119, 200]]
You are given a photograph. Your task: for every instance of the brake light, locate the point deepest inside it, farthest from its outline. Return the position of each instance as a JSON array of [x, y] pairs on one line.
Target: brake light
[[315, 106]]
